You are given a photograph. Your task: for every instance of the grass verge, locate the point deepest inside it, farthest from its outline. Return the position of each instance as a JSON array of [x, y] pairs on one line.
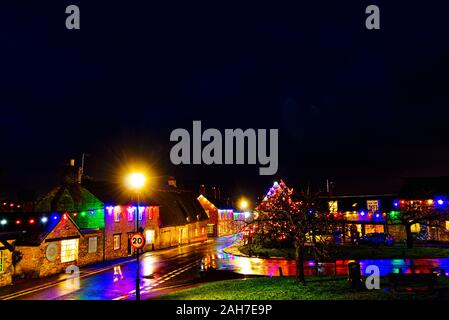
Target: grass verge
[[286, 288]]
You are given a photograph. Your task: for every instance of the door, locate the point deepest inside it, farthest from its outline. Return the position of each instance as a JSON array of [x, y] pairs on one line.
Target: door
[[130, 249]]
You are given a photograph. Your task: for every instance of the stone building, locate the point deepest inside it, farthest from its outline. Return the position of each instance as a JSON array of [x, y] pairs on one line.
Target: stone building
[[167, 217], [360, 214], [223, 219], [49, 243], [6, 254]]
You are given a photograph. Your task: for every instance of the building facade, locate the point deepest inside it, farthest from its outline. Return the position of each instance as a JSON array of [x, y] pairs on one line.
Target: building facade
[[223, 219], [360, 215]]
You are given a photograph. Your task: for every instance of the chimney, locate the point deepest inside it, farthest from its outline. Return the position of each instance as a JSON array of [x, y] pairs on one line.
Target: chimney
[[216, 193], [171, 182], [71, 173]]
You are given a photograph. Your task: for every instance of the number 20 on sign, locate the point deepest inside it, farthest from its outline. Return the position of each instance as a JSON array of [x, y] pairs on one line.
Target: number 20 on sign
[[137, 241]]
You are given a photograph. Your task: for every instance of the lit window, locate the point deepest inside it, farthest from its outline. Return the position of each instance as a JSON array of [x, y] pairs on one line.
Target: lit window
[[371, 228], [447, 225], [117, 214], [415, 228], [372, 206], [130, 213], [203, 230], [141, 210], [196, 232], [2, 261], [69, 250], [210, 228], [92, 245], [116, 241], [149, 236], [333, 206]]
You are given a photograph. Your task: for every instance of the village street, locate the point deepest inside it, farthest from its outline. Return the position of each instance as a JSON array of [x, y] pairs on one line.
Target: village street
[[161, 272]]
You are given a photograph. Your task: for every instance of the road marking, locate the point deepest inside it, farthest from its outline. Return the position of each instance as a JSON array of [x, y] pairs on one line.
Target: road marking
[[161, 280], [54, 283]]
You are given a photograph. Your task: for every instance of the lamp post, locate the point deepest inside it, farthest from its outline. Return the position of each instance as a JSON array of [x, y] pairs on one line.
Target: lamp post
[[136, 181]]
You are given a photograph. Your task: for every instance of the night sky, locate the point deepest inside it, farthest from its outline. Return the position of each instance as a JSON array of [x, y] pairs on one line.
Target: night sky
[[362, 108]]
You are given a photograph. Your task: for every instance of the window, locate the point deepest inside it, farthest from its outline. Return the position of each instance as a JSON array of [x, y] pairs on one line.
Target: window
[[92, 245], [130, 213], [210, 228], [141, 210], [2, 261], [116, 241], [372, 206], [371, 228], [333, 206], [447, 225], [203, 230], [117, 214], [69, 250], [196, 232], [415, 228], [149, 236]]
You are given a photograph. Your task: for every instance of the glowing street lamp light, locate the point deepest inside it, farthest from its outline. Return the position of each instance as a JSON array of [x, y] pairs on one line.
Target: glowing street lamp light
[[135, 182], [243, 204]]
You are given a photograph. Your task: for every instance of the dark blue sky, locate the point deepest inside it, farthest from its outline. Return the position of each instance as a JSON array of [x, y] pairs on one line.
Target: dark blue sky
[[363, 108]]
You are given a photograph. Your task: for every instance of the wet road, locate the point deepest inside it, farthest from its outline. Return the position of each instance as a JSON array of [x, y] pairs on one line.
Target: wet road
[[160, 270], [169, 270]]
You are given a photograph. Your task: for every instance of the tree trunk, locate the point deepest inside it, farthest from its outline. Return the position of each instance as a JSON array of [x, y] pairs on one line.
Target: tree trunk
[[408, 231], [300, 264]]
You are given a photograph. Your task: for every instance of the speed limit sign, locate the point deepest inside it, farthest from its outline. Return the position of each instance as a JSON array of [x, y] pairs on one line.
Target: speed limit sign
[[137, 241]]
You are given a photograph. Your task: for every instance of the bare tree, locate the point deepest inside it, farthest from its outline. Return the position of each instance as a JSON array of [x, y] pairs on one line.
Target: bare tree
[[425, 213]]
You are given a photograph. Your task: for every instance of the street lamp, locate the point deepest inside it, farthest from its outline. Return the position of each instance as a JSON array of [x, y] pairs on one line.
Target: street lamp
[[243, 204], [135, 182]]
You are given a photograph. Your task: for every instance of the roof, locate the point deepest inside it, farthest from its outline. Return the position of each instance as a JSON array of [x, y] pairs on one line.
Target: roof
[[68, 197], [176, 206], [219, 203], [113, 193], [424, 188], [32, 230]]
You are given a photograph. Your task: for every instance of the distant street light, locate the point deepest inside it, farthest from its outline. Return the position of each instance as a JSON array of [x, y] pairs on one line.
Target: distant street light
[[135, 182]]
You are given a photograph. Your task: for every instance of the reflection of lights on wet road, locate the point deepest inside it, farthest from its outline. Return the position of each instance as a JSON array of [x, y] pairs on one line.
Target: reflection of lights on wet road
[[245, 266], [270, 267], [118, 273], [148, 264]]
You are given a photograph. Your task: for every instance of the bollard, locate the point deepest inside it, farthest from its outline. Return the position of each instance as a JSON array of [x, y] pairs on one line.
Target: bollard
[[354, 276]]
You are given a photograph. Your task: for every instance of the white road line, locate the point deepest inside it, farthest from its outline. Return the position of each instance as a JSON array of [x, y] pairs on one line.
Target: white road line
[[161, 280]]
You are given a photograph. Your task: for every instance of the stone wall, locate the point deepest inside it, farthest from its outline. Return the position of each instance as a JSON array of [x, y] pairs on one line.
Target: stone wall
[[6, 275], [84, 256]]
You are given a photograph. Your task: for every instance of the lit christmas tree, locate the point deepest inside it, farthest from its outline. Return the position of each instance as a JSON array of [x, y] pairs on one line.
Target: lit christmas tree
[[284, 220]]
